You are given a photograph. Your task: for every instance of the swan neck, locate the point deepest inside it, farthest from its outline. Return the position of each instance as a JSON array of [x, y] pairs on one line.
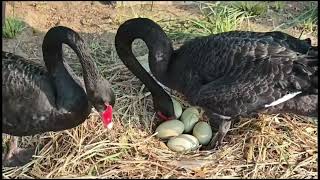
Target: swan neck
[[160, 50], [52, 54]]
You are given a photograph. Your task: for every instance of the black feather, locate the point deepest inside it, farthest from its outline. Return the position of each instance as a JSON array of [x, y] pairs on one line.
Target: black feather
[[39, 98], [230, 74]]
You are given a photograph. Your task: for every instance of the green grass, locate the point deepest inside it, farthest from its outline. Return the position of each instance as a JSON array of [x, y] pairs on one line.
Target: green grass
[[250, 8], [179, 29], [223, 17], [278, 6], [307, 20], [216, 18], [12, 27]]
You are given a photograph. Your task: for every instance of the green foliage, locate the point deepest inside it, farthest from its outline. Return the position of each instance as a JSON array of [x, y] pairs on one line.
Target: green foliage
[[308, 20], [12, 27], [249, 8], [216, 18], [278, 6]]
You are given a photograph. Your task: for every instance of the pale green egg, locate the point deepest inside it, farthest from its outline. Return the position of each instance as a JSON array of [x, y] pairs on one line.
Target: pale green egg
[[183, 143], [203, 132], [189, 118], [169, 129], [177, 108]]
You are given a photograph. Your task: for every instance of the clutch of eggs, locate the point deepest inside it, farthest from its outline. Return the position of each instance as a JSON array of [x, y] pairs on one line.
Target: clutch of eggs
[[185, 133]]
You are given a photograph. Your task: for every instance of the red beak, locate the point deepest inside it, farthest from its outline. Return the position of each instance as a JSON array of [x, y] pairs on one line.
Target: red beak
[[163, 117], [107, 117]]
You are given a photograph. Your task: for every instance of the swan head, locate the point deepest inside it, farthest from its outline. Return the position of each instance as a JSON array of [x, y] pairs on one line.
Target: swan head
[[164, 108], [103, 100]]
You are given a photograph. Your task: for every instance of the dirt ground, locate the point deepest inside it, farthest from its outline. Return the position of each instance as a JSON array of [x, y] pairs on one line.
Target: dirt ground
[[97, 24], [96, 20], [93, 20]]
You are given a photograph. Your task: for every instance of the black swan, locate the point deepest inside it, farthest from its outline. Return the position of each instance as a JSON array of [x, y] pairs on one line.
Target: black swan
[[38, 99], [229, 75]]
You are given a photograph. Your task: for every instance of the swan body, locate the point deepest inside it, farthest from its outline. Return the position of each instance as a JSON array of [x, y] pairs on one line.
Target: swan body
[[231, 74], [38, 98]]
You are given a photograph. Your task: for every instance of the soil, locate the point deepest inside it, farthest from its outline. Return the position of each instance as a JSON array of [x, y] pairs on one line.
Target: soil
[[95, 20]]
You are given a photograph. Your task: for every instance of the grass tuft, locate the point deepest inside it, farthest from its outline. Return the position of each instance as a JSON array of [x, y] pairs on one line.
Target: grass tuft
[[278, 6], [250, 8], [216, 18], [12, 27], [309, 18], [306, 20]]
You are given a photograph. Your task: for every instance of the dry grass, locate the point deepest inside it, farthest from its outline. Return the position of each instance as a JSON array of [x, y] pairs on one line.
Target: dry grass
[[268, 147]]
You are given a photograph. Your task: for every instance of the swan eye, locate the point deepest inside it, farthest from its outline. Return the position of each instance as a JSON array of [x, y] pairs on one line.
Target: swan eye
[[102, 102]]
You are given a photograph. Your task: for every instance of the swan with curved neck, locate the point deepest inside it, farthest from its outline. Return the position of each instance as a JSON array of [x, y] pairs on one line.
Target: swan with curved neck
[[229, 75], [160, 50], [38, 99]]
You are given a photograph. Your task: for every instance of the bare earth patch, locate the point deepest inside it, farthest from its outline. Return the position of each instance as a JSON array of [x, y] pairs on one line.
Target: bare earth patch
[[277, 146]]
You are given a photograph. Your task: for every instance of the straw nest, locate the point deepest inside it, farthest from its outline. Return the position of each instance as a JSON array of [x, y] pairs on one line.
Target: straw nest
[[271, 146]]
